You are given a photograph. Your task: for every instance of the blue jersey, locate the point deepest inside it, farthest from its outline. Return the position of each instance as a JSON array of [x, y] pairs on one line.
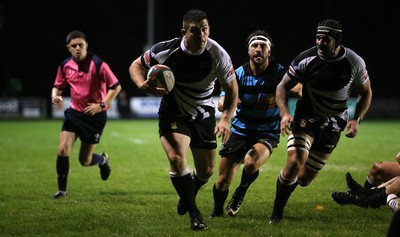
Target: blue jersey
[[257, 114]]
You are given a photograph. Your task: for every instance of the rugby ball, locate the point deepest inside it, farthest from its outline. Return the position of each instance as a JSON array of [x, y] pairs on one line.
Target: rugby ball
[[161, 76]]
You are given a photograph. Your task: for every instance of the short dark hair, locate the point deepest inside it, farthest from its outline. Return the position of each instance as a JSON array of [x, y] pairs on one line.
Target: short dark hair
[[75, 34], [194, 15]]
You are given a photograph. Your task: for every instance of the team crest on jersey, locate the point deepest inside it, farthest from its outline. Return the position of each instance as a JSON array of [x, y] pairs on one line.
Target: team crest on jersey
[[173, 125], [270, 101], [69, 71], [303, 123]]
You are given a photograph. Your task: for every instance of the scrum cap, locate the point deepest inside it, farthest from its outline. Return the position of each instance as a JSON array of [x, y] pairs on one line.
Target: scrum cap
[[330, 28]]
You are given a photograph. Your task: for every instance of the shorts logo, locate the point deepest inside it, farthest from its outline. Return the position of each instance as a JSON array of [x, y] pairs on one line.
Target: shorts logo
[[303, 123], [97, 137], [210, 141], [173, 125]]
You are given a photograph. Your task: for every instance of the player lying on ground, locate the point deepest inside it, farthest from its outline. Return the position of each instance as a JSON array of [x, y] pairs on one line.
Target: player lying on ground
[[369, 198], [382, 171]]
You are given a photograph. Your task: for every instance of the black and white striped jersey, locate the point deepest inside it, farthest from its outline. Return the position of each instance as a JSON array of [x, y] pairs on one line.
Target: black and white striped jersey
[[195, 76], [327, 83]]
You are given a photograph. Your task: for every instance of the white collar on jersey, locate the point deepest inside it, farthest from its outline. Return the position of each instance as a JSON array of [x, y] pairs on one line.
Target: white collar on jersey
[[190, 52]]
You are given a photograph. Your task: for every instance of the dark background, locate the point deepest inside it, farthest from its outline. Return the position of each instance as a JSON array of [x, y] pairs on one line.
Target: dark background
[[33, 34]]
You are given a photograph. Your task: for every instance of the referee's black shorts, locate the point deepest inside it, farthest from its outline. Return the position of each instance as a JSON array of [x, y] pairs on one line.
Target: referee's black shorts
[[87, 128]]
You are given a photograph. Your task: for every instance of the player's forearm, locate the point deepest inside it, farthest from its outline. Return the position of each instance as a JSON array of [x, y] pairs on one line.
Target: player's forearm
[[111, 94], [228, 108], [281, 98], [230, 100], [364, 102], [55, 92], [136, 73]]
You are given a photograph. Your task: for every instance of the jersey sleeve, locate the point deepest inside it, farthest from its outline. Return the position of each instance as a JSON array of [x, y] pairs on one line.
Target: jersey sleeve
[[360, 71], [109, 77], [60, 81], [225, 71]]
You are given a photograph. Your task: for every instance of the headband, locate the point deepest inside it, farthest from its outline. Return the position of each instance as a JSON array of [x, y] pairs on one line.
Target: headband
[[336, 34], [260, 39]]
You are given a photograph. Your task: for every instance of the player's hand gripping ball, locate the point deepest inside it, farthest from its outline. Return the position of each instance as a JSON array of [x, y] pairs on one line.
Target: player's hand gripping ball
[[161, 76]]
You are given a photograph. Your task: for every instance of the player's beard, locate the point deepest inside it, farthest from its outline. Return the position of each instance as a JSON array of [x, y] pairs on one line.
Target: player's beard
[[258, 59]]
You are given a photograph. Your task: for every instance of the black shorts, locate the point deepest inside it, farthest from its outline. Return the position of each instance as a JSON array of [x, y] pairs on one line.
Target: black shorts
[[87, 128], [201, 132], [325, 137], [237, 146]]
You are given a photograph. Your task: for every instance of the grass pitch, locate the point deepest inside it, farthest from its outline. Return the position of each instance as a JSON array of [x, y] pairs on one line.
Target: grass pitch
[[139, 199]]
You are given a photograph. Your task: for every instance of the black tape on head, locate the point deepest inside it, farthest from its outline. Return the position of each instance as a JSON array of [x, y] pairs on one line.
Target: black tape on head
[[336, 34]]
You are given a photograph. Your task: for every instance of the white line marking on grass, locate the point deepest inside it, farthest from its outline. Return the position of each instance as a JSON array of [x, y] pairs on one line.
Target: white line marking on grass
[[129, 139], [136, 141], [345, 168]]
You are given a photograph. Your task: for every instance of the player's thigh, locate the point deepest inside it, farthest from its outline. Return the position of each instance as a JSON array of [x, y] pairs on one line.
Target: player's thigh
[[176, 145]]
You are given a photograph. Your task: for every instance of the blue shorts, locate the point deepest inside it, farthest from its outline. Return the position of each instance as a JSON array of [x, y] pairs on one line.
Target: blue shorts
[[87, 128], [201, 132]]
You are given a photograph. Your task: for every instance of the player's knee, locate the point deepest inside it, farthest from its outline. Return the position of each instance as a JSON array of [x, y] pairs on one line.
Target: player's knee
[[250, 166], [85, 161], [205, 174], [222, 184], [63, 151], [208, 174], [293, 164], [376, 169], [175, 159], [303, 182]]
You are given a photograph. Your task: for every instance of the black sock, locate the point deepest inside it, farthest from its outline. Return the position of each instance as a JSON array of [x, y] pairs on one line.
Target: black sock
[[62, 168], [375, 200], [245, 182], [198, 183], [282, 195], [367, 184], [394, 228], [97, 159], [184, 186], [219, 200], [375, 190]]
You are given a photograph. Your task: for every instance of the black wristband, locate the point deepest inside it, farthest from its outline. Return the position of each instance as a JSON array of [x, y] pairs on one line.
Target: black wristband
[[102, 105], [358, 118]]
